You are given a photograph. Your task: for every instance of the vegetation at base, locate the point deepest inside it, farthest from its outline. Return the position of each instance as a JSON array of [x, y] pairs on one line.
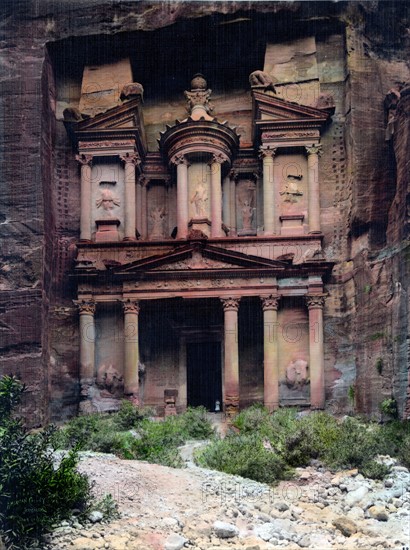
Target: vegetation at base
[[269, 445], [35, 493], [130, 433]]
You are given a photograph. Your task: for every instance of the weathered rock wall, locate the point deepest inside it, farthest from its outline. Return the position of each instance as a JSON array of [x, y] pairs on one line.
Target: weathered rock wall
[[365, 201]]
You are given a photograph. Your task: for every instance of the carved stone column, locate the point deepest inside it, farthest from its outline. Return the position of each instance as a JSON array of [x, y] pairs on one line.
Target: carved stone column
[[216, 195], [231, 355], [85, 196], [270, 306], [226, 201], [182, 195], [144, 206], [131, 347], [313, 153], [87, 345], [138, 213], [267, 154], [233, 175], [130, 160], [315, 305]]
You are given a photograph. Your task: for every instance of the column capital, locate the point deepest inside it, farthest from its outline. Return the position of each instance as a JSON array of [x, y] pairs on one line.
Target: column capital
[[233, 174], [86, 307], [84, 159], [230, 304], [266, 151], [143, 181], [218, 158], [130, 158], [314, 149], [315, 301], [270, 302], [131, 306], [179, 159]]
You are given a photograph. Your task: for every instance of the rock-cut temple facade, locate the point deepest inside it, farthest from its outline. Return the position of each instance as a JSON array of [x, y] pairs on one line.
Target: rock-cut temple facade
[[205, 204], [187, 251]]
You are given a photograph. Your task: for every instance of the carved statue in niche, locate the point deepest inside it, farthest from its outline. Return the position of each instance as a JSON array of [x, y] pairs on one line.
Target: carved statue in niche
[[291, 190], [297, 374], [199, 200], [247, 214], [157, 216], [107, 201], [109, 381]]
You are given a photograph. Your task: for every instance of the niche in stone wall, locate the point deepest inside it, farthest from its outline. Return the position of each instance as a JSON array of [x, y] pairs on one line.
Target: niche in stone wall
[[291, 193], [246, 206], [157, 210], [109, 356], [293, 351], [107, 200]]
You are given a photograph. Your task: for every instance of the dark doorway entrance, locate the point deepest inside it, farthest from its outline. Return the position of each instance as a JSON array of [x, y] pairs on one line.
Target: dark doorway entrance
[[204, 376]]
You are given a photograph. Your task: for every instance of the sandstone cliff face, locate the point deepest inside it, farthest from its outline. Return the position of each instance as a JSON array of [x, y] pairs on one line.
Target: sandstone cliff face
[[361, 52]]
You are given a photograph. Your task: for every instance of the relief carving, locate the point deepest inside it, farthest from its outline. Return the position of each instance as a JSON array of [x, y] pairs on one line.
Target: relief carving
[[109, 381], [297, 374], [291, 190], [107, 201], [260, 79], [199, 200], [157, 216], [247, 214]]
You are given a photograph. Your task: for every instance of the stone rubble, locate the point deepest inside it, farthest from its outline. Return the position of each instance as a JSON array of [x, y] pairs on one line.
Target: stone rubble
[[194, 508]]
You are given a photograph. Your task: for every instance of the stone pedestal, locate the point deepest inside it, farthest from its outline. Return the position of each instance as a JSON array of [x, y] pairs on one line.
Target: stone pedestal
[[201, 224], [131, 347], [292, 225], [107, 230], [316, 358], [231, 356], [270, 306], [85, 197], [313, 153]]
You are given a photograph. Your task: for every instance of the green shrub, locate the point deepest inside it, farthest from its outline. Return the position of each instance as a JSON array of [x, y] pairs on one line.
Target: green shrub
[[129, 415], [245, 456], [374, 470], [35, 493], [194, 424], [389, 407], [404, 453]]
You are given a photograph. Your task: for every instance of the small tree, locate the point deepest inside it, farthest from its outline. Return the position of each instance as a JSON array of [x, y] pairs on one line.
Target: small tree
[[34, 491]]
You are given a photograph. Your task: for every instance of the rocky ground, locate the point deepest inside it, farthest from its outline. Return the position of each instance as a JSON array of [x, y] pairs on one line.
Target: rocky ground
[[167, 509]]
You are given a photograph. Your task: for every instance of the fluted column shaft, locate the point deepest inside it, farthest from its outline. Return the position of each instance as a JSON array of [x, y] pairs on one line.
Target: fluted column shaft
[[144, 225], [131, 347], [87, 344], [182, 195], [138, 209], [270, 306], [316, 352], [85, 197], [232, 226], [216, 196], [231, 355], [267, 155], [313, 153], [130, 160], [226, 207]]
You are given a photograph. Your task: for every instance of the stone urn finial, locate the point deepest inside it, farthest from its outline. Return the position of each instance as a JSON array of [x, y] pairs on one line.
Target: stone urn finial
[[199, 105], [198, 82]]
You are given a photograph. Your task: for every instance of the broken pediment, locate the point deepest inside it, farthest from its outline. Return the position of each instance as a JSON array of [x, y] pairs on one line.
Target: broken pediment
[[272, 107]]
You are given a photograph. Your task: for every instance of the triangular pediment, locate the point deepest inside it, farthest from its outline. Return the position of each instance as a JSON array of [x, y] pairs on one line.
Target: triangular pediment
[[199, 258], [127, 115], [273, 108]]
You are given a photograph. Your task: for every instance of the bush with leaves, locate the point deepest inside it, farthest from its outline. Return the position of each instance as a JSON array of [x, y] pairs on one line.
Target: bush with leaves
[[35, 493], [246, 456]]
